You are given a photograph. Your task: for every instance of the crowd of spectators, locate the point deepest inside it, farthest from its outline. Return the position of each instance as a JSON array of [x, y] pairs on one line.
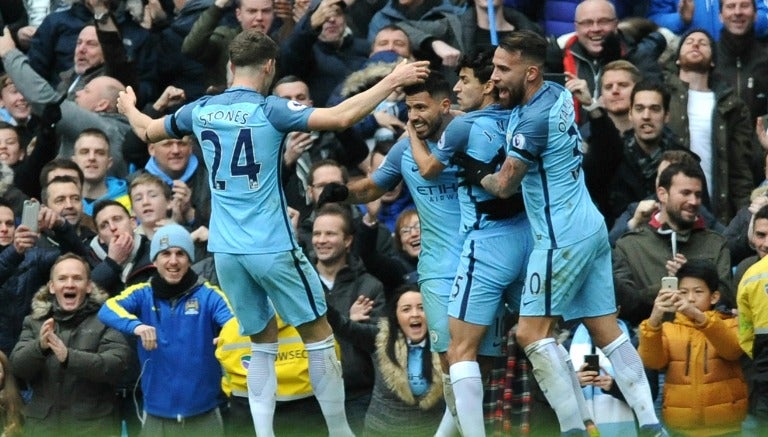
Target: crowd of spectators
[[670, 97]]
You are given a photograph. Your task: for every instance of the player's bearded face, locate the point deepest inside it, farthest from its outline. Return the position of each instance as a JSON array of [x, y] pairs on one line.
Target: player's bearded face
[[424, 113], [508, 76], [516, 92]]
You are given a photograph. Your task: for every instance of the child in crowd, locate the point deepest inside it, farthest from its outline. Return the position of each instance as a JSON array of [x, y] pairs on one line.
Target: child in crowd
[[704, 392], [150, 197]]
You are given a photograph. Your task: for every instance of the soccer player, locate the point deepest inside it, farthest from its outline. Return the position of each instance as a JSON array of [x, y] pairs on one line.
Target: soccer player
[[437, 203], [258, 261], [569, 272], [497, 233]]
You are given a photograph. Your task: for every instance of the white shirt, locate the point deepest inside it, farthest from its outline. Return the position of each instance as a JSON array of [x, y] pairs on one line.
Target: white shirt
[[701, 104]]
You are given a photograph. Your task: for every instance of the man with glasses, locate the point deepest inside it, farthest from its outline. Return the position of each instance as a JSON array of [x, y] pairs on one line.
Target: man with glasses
[[597, 42]]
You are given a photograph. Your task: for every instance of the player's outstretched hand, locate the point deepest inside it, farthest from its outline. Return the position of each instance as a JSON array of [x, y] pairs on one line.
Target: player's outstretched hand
[[410, 73], [333, 192], [473, 171]]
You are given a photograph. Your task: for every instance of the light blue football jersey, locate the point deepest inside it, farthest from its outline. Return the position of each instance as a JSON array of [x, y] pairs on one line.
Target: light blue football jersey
[[241, 134], [543, 134], [436, 201], [480, 134]]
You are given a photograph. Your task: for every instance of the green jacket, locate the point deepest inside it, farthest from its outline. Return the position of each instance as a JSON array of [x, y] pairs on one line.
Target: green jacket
[[639, 260], [732, 129]]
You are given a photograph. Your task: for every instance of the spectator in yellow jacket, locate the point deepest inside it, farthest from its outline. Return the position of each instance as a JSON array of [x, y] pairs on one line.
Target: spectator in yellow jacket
[[704, 392]]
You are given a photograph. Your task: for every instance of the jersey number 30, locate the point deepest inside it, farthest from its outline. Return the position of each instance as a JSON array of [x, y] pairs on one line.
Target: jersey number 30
[[242, 163]]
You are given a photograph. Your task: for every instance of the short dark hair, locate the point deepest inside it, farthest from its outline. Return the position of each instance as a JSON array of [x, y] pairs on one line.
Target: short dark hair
[[94, 132], [435, 85], [58, 163], [101, 204], [6, 204], [339, 211], [761, 213], [326, 163], [530, 45], [6, 125], [654, 86], [480, 61], [251, 48], [291, 78], [691, 171], [700, 269], [58, 180]]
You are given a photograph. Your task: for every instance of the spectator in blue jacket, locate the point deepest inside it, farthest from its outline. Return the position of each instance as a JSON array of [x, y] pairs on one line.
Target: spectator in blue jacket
[[176, 315], [682, 16]]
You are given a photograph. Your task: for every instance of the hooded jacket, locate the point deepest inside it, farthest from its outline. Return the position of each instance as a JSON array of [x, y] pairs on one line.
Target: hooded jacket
[[117, 189], [640, 256], [77, 397], [704, 391], [394, 408]]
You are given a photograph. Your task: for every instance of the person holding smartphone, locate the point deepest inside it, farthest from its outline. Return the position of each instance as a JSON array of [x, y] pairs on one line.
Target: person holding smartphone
[[610, 411], [700, 351]]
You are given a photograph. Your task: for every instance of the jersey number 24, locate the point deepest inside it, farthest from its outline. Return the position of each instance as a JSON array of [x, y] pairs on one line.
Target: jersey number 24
[[242, 162]]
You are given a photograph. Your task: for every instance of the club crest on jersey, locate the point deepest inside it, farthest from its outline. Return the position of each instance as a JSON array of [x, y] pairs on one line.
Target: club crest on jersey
[[296, 106], [518, 141], [192, 307]]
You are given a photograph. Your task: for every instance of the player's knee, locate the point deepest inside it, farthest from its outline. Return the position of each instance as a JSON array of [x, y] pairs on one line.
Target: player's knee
[[529, 333], [465, 350], [266, 335], [314, 331]]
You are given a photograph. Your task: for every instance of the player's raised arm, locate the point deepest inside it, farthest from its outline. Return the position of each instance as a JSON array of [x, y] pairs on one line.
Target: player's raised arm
[[348, 112], [145, 127]]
